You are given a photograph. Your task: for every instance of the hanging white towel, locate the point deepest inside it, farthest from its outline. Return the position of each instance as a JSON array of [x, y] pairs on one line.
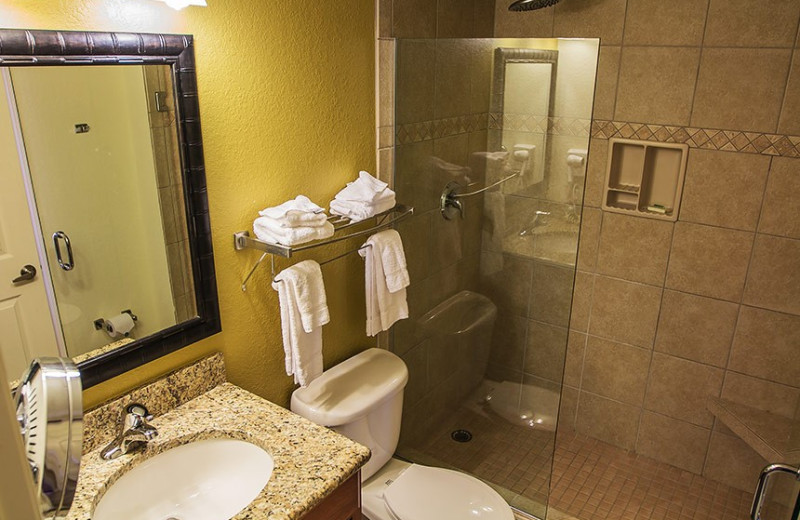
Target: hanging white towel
[[304, 310], [385, 266], [266, 229]]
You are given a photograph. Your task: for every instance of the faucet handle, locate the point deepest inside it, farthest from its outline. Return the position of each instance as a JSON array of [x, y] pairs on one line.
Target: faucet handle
[[138, 410], [135, 416]]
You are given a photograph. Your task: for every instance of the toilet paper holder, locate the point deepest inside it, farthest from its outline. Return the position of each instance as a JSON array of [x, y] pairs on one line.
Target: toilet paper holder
[[100, 323]]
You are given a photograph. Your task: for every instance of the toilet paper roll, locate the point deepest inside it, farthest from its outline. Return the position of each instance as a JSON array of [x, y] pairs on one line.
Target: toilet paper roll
[[119, 325]]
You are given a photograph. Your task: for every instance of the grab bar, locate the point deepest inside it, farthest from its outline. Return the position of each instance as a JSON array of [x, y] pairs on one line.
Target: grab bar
[[477, 192]]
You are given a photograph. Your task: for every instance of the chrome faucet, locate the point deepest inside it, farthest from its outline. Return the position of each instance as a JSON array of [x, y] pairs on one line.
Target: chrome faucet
[[539, 219], [135, 432]]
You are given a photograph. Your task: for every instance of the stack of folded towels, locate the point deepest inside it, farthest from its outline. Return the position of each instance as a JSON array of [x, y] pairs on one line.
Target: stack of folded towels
[[363, 198], [294, 222]]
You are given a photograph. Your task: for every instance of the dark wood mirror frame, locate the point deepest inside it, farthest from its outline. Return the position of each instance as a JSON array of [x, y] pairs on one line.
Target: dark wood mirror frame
[[26, 48]]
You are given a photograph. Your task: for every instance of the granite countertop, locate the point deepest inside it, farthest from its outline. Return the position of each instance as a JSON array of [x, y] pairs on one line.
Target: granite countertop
[[310, 460]]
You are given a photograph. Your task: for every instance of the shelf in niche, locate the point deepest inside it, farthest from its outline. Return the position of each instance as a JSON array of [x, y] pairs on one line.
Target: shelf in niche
[[644, 175]]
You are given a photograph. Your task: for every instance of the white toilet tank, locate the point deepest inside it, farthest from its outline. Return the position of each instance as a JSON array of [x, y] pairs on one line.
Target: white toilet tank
[[361, 398]]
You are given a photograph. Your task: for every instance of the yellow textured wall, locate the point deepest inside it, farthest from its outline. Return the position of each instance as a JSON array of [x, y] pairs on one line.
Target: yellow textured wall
[[287, 107]]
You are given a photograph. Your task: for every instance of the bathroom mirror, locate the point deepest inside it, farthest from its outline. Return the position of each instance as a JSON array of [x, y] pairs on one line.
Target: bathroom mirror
[[523, 95], [104, 228]]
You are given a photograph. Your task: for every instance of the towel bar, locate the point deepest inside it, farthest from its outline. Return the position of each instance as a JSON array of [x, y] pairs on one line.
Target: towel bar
[[243, 240]]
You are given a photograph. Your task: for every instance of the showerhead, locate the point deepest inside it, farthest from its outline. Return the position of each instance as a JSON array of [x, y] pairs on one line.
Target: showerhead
[[531, 5]]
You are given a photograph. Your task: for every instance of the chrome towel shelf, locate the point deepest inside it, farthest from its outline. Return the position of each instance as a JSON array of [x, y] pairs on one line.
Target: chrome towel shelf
[[243, 240]]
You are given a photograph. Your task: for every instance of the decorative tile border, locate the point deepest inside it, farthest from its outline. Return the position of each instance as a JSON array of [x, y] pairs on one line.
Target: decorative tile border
[[705, 138], [709, 139]]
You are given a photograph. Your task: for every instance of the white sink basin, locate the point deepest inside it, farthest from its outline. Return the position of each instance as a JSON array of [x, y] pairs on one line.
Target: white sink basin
[[204, 480]]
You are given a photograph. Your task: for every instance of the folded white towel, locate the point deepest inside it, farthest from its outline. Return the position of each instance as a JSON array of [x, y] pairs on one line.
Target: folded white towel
[[304, 310], [298, 209], [365, 189], [296, 219], [357, 210], [267, 230], [384, 251]]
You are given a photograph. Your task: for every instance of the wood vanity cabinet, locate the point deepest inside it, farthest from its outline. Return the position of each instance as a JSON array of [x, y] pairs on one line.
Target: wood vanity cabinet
[[344, 503]]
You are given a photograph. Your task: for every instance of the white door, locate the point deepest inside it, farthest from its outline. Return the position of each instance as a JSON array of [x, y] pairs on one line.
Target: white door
[[26, 327]]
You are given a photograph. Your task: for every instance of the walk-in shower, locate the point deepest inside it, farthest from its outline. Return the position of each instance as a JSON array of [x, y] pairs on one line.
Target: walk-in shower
[[491, 144]]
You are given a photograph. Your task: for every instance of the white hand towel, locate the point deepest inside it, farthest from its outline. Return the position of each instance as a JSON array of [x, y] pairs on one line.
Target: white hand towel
[[299, 204], [365, 189], [304, 311], [265, 229], [357, 211], [384, 307], [295, 219], [393, 258]]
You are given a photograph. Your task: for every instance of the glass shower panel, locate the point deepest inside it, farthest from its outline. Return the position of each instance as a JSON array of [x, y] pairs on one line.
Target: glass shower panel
[[492, 269]]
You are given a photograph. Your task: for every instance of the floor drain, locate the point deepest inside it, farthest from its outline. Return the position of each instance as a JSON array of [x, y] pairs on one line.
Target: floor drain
[[461, 436]]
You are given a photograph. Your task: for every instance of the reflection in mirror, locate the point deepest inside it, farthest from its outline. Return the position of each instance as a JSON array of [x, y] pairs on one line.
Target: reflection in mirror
[[99, 147]]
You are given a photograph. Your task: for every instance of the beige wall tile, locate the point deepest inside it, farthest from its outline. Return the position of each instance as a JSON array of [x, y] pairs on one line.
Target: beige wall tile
[[530, 24], [732, 462], [680, 388], [709, 261], [779, 214], [724, 188], [551, 293], [546, 351], [508, 341], [453, 65], [581, 301], [386, 68], [595, 172], [573, 367], [414, 19], [615, 371], [416, 360], [385, 18], [696, 328], [567, 409], [605, 93], [607, 420], [415, 233], [654, 22], [484, 19], [624, 311], [741, 89], [760, 394], [675, 442], [589, 238], [454, 19], [510, 288], [386, 165], [602, 19], [743, 23], [773, 281], [765, 346], [790, 113], [414, 94], [633, 248], [482, 52], [656, 84]]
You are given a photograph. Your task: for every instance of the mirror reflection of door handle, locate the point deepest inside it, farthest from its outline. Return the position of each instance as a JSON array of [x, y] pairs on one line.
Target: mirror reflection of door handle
[[69, 265], [26, 274]]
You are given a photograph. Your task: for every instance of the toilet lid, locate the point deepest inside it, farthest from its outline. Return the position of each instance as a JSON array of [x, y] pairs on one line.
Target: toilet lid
[[425, 493]]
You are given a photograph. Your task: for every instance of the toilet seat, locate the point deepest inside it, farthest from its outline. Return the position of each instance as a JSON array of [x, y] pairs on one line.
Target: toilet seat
[[426, 493]]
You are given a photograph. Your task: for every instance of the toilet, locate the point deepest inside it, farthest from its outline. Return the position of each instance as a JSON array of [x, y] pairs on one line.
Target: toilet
[[362, 398]]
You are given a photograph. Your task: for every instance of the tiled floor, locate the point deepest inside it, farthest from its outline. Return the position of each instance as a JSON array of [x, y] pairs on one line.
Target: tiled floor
[[592, 480]]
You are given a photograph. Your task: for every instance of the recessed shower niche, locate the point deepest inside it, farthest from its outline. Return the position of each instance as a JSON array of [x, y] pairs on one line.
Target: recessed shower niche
[[645, 178]]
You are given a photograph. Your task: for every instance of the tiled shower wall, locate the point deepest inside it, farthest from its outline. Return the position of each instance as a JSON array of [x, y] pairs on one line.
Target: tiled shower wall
[[665, 314]]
